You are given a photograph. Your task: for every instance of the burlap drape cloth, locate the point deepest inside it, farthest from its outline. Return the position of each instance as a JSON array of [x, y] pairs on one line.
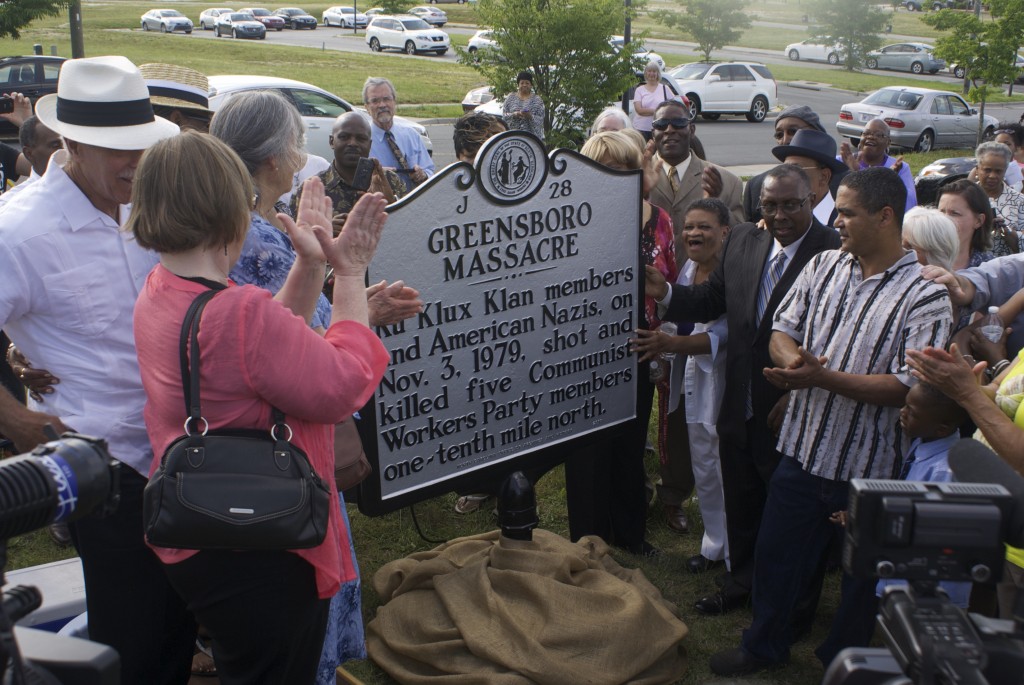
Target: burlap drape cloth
[[489, 610]]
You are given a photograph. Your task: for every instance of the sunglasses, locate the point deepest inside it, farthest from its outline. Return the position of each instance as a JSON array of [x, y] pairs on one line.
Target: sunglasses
[[663, 124]]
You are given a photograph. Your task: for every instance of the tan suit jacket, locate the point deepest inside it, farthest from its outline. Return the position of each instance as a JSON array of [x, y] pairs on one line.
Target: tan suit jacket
[[675, 203]]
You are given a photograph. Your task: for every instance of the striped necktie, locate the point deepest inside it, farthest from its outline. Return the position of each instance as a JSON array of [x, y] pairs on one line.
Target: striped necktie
[[673, 179], [771, 277]]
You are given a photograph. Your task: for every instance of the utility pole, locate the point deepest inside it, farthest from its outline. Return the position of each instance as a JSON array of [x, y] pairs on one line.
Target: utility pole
[[77, 38]]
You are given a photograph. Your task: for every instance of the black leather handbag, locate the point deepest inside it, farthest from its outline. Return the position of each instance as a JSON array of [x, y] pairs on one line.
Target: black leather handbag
[[233, 489]]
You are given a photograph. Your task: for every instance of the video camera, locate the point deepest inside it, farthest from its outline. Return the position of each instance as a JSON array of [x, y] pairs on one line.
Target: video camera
[[927, 533], [60, 481]]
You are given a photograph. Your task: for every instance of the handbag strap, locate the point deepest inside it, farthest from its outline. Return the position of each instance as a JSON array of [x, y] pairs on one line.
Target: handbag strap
[[188, 350]]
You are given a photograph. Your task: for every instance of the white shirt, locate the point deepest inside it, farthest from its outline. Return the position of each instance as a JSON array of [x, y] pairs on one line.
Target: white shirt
[[703, 378], [680, 168], [13, 192], [67, 297], [823, 210]]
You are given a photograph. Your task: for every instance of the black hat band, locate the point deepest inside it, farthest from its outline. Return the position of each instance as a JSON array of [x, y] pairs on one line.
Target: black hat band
[[177, 94], [125, 113]]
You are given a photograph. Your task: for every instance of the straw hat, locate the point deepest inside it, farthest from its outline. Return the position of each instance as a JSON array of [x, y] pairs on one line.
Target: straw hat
[[178, 87], [103, 101]]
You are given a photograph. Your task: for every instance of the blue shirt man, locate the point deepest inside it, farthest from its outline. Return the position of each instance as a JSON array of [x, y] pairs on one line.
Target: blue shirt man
[[396, 144]]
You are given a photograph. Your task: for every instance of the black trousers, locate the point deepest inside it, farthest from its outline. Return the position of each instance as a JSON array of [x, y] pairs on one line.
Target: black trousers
[[605, 487], [262, 612], [132, 607]]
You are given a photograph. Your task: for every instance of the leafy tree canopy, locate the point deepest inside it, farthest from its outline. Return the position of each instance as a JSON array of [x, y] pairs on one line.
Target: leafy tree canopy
[[17, 14], [565, 44], [854, 25], [986, 49], [712, 24]]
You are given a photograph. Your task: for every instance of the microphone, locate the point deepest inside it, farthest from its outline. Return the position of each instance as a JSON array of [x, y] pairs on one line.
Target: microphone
[[972, 462], [58, 481]]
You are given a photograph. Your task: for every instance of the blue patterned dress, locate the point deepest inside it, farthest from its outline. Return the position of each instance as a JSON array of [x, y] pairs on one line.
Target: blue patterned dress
[[267, 255]]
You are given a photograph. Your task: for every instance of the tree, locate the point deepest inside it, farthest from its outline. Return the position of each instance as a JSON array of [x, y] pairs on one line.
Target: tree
[[713, 24], [565, 44], [987, 50], [854, 25], [14, 16], [395, 6]]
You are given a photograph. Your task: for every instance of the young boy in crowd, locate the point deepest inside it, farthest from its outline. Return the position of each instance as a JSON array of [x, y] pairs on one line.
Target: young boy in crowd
[[932, 422]]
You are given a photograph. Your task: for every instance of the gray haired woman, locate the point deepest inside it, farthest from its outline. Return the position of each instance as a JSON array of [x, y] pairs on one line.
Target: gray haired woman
[[267, 132]]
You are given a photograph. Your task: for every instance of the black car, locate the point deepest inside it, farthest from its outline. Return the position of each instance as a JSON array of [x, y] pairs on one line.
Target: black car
[[295, 18], [33, 76], [939, 173]]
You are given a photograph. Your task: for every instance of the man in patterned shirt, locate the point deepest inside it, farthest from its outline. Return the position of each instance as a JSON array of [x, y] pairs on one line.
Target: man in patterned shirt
[[350, 140], [839, 343]]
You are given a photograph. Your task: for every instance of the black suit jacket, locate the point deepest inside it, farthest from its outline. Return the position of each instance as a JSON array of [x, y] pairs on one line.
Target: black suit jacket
[[732, 289]]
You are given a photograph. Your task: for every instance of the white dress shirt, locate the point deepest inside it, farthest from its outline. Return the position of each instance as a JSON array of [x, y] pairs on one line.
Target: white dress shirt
[[71, 277]]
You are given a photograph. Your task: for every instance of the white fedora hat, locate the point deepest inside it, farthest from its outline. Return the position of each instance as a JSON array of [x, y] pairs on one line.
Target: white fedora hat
[[103, 101]]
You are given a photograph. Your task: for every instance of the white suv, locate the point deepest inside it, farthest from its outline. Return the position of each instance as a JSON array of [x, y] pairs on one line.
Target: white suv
[[407, 33], [744, 88]]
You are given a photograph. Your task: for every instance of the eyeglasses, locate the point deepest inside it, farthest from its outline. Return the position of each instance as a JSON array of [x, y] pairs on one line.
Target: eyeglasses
[[677, 123], [874, 134], [380, 100], [788, 207], [816, 167]]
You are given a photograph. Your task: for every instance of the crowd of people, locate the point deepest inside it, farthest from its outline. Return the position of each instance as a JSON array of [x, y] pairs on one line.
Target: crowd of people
[[825, 328]]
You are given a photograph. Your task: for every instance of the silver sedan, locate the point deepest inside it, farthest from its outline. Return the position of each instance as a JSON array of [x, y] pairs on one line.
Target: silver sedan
[[913, 57], [919, 118]]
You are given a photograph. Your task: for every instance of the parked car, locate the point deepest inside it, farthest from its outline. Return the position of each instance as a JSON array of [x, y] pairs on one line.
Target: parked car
[[240, 25], [939, 173], [936, 5], [208, 18], [481, 41], [913, 57], [919, 119], [166, 21], [812, 49], [318, 107], [959, 71], [643, 53], [345, 17], [407, 33], [374, 12], [31, 75], [746, 88], [432, 16], [264, 16], [295, 18]]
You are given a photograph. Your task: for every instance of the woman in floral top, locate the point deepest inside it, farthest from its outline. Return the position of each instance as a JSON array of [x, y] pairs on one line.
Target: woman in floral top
[[524, 110]]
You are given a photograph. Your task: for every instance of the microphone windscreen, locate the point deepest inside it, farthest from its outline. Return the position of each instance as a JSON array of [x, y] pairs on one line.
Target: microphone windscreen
[[972, 462]]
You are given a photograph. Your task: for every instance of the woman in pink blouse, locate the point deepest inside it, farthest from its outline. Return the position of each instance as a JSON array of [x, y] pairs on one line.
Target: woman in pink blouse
[[266, 612]]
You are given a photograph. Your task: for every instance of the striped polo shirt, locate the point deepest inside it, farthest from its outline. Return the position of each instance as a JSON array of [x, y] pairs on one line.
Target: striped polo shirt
[[863, 326]]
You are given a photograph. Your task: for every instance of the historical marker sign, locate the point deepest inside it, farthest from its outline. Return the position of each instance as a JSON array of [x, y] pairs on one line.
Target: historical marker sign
[[528, 266]]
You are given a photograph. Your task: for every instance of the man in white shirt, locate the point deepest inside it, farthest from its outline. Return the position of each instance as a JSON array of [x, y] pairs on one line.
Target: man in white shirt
[[71, 277], [815, 153]]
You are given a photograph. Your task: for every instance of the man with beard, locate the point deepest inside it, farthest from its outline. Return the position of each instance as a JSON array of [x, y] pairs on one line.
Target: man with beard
[[397, 145], [756, 270]]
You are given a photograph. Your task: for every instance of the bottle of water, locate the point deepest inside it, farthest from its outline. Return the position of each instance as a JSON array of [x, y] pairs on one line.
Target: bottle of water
[[992, 326], [661, 366]]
